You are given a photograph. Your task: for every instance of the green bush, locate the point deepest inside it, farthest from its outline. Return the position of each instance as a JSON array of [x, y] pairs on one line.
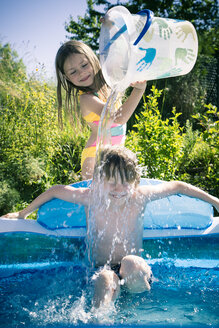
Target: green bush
[[8, 197], [157, 142], [167, 151], [34, 152], [200, 163], [25, 173], [65, 164]]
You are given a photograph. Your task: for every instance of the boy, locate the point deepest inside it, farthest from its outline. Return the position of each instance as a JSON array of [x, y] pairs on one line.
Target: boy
[[115, 204]]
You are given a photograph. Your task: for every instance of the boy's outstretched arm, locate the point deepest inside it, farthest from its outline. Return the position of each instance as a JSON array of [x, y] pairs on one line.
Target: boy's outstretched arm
[[165, 189], [67, 193]]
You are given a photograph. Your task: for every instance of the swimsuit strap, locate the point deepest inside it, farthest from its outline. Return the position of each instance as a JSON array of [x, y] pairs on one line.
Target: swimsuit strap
[[80, 93], [116, 129]]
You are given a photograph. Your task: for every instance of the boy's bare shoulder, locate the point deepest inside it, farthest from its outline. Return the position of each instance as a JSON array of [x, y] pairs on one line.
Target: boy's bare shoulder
[[82, 190], [149, 192], [75, 195], [143, 190], [141, 194]]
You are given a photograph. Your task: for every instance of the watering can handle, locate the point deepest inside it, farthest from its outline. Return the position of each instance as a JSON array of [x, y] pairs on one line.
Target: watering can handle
[[149, 15], [144, 12]]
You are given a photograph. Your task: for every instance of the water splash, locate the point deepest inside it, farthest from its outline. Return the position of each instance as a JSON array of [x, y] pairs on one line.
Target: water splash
[[98, 199]]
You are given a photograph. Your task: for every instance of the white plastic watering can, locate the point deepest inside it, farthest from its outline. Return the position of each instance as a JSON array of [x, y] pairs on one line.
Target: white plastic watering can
[[143, 47]]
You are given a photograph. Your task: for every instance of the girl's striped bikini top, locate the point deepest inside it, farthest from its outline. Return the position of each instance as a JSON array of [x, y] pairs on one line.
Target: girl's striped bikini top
[[118, 131]]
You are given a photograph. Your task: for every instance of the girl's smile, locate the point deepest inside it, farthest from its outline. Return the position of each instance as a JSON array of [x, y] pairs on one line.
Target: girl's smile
[[85, 78]]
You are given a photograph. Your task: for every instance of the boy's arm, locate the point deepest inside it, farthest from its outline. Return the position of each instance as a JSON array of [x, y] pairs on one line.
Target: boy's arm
[[166, 189], [67, 193]]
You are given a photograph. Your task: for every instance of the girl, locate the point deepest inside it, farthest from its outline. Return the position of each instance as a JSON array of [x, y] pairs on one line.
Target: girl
[[79, 73]]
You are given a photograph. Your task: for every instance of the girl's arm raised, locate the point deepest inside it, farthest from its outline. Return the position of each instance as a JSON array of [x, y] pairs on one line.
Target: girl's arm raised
[[166, 189], [91, 103], [123, 114], [67, 193]]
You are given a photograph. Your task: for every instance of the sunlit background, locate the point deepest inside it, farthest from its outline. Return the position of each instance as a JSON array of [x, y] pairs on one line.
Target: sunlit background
[[35, 29]]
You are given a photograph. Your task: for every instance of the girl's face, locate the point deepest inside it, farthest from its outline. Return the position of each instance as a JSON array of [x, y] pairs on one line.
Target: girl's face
[[78, 70]]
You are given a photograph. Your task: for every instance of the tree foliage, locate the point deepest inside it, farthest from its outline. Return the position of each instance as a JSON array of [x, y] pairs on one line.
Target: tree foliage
[[202, 13], [184, 92], [87, 29], [11, 67], [200, 162]]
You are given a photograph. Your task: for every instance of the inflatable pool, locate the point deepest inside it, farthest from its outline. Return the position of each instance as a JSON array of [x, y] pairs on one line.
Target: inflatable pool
[[174, 216], [45, 281]]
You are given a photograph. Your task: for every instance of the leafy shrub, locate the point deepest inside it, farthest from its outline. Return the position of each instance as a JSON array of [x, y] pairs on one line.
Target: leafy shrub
[[200, 163], [157, 142], [65, 164], [167, 151], [8, 197], [34, 152], [25, 173]]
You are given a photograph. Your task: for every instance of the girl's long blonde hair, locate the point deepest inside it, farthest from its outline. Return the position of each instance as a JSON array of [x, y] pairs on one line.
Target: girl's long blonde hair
[[71, 99]]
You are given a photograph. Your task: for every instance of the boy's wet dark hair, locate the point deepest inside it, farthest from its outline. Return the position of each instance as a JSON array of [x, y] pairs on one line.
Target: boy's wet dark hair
[[114, 160]]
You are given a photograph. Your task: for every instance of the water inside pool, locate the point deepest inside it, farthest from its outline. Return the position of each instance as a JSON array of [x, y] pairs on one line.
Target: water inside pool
[[44, 281]]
